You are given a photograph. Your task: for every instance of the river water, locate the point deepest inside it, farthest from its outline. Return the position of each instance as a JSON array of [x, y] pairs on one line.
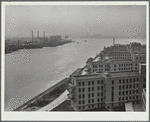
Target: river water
[[29, 72]]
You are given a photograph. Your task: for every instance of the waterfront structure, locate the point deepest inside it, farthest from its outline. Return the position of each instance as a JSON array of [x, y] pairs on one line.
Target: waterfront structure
[[108, 82]]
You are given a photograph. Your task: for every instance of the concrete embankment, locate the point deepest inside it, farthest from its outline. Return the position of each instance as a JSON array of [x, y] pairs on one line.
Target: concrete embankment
[[20, 108]]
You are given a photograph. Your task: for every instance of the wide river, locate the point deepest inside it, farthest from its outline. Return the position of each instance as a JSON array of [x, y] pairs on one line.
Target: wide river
[[29, 72]]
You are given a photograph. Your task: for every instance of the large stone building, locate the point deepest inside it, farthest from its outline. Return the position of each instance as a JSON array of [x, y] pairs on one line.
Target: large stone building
[[107, 82]]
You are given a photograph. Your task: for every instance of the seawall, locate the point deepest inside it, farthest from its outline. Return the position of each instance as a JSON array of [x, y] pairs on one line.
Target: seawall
[[41, 94]]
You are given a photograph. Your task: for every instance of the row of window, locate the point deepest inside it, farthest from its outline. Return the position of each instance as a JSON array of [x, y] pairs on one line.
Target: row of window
[[96, 66], [128, 92], [128, 98], [129, 86], [140, 58], [127, 80], [91, 101], [90, 83], [90, 95], [90, 89]]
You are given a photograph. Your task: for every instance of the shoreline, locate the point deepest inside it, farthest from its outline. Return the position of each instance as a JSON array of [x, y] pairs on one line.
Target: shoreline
[[41, 95]]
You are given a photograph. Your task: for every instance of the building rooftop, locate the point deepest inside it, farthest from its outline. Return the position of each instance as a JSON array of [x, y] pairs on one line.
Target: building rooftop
[[97, 60], [77, 72]]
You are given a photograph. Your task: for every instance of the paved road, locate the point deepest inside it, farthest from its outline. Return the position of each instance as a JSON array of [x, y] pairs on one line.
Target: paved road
[[56, 102]]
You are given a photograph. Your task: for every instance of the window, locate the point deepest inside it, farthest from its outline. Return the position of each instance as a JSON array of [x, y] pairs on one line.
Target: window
[[79, 102], [119, 99], [89, 95], [136, 97], [126, 86], [119, 93], [101, 99], [126, 80], [89, 89], [122, 98], [126, 92], [101, 93], [112, 81], [136, 91], [98, 82], [89, 83], [98, 94], [89, 101], [123, 86], [92, 94], [119, 87], [123, 93], [101, 87], [92, 82], [82, 83], [79, 83], [92, 100], [83, 107], [137, 79], [114, 65], [144, 79], [98, 100], [130, 86], [126, 98], [123, 80], [92, 88], [98, 88], [79, 96], [83, 95], [130, 80], [79, 90], [101, 81], [119, 81]]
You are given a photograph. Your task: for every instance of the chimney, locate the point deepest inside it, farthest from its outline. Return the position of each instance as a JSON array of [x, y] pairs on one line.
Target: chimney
[[37, 34], [44, 33], [113, 41], [32, 35]]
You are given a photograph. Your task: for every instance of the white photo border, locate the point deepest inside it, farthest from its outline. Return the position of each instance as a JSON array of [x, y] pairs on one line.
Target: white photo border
[[72, 116]]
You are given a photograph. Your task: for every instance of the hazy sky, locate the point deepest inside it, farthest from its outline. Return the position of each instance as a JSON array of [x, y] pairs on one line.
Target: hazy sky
[[75, 20]]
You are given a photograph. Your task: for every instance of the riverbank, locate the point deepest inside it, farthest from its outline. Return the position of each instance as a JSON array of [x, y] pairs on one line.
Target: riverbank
[[12, 48], [45, 97]]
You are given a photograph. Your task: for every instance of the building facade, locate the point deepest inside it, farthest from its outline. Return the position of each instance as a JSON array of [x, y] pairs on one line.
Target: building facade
[[107, 82]]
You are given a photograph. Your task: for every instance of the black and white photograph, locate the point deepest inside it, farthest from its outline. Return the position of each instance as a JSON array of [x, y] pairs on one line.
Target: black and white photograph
[[77, 60]]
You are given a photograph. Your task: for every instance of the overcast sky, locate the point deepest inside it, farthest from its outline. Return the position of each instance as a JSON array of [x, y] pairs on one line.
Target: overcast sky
[[75, 20]]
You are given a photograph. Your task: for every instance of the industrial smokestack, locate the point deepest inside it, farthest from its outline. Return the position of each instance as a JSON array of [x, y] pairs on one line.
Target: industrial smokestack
[[44, 33], [113, 41], [32, 35], [37, 34]]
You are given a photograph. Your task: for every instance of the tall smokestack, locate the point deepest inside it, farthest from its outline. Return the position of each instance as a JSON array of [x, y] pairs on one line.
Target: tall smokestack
[[113, 41], [37, 34], [44, 33], [32, 35]]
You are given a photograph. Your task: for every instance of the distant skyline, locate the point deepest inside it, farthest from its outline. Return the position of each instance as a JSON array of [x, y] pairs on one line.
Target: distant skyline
[[108, 21]]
